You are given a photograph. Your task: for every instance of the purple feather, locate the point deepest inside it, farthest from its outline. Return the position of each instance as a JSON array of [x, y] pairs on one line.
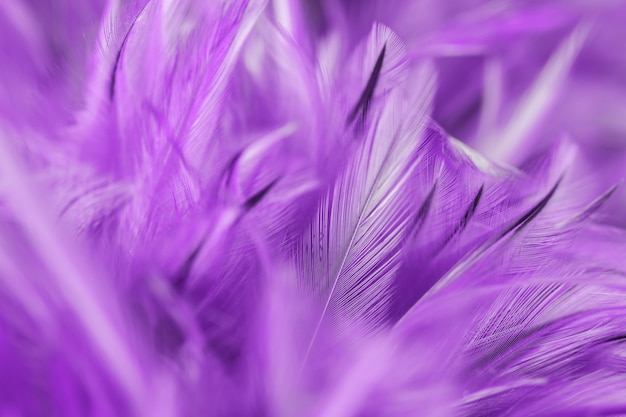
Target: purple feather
[[295, 208]]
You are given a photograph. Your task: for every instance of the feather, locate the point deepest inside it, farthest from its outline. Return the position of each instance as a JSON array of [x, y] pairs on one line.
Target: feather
[[351, 250], [538, 99], [363, 104], [95, 319], [172, 114], [243, 207]]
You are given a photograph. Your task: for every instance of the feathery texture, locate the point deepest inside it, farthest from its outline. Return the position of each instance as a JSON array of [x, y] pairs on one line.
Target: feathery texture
[[293, 208]]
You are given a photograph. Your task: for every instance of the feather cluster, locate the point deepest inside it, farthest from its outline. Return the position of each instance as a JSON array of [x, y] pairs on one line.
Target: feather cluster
[[324, 208]]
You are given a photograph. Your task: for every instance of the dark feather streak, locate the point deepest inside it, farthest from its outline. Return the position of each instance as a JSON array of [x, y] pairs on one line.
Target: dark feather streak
[[619, 338], [118, 57], [532, 213], [256, 199], [469, 213], [423, 211], [362, 106], [597, 204], [181, 277], [114, 72], [230, 167]]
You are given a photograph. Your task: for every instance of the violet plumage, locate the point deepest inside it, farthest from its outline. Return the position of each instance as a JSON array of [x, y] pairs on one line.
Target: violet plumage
[[295, 208]]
